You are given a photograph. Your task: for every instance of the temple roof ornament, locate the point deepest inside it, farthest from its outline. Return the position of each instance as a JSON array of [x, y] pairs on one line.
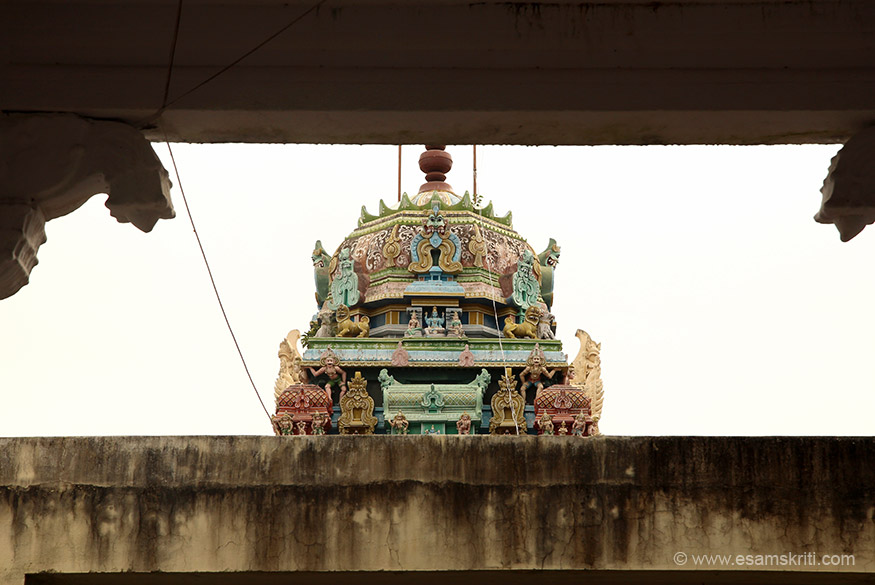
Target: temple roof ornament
[[418, 299], [435, 235], [435, 162]]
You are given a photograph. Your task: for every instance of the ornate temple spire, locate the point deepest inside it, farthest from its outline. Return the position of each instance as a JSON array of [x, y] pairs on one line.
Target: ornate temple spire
[[435, 162]]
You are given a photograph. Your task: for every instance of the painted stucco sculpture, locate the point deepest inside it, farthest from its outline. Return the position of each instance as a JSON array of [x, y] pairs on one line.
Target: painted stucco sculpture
[[547, 262], [435, 407], [330, 368], [321, 272], [356, 409], [345, 285], [526, 288], [508, 409], [445, 314]]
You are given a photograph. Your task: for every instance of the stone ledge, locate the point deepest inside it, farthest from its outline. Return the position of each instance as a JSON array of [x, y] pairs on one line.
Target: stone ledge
[[430, 504]]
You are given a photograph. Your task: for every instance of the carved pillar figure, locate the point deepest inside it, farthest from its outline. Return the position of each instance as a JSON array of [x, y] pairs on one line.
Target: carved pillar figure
[[50, 164]]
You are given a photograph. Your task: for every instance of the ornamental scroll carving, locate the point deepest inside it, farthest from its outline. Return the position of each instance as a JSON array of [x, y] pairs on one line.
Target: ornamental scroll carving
[[290, 364], [435, 235], [357, 409], [508, 409], [587, 373]]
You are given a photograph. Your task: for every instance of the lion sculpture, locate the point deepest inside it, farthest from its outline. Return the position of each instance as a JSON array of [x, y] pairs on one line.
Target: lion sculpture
[[346, 327]]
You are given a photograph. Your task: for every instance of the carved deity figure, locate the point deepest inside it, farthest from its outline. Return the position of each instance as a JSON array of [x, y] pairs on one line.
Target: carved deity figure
[[301, 427], [435, 324], [318, 423], [454, 326], [282, 424], [546, 424], [563, 430], [535, 370], [463, 425], [578, 429], [331, 368], [399, 424], [477, 247], [435, 321], [432, 431], [345, 286], [569, 375], [414, 327], [526, 288]]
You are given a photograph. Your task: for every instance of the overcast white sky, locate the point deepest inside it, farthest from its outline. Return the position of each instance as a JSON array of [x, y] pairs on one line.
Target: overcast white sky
[[721, 306]]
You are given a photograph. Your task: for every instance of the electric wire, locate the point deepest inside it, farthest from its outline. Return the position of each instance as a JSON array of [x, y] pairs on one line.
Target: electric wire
[[166, 103], [506, 370], [233, 63], [213, 280], [172, 57]]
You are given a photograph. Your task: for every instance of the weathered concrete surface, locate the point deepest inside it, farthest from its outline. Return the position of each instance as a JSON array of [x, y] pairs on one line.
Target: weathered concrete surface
[[450, 71], [617, 508]]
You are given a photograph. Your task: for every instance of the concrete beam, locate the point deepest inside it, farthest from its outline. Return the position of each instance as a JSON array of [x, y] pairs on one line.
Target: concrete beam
[[614, 72], [439, 507]]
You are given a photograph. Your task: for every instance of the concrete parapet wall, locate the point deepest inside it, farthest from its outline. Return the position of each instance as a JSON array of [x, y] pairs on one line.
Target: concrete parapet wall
[[430, 504]]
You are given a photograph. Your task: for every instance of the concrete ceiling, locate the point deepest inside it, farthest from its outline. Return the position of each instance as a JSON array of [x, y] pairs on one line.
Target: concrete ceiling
[[443, 71]]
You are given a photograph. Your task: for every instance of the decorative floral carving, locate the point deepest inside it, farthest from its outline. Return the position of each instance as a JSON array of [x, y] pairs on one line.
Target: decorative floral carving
[[435, 235], [526, 288], [357, 409], [508, 408], [587, 371], [466, 357], [392, 248], [400, 357]]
